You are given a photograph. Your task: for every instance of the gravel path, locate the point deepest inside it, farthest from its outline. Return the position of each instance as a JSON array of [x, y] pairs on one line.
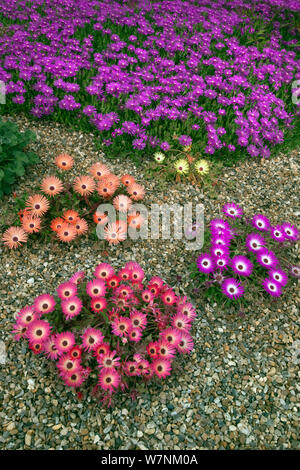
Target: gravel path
[[237, 390]]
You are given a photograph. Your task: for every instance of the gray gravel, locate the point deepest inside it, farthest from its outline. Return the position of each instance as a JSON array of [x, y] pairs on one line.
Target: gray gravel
[[239, 389]]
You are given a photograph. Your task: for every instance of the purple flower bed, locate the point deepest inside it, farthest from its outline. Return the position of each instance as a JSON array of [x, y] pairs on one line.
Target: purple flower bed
[[218, 75]]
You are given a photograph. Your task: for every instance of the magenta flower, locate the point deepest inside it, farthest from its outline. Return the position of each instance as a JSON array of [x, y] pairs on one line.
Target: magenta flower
[[277, 233], [241, 265], [272, 287], [267, 259], [233, 210], [255, 243], [278, 276], [290, 231], [232, 288], [261, 222], [205, 263]]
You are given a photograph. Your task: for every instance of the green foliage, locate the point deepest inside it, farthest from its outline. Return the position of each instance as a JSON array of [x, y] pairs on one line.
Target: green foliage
[[14, 156]]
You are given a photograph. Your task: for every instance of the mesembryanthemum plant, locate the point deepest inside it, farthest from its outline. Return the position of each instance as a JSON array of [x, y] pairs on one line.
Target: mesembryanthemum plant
[[68, 210], [111, 331], [245, 257]]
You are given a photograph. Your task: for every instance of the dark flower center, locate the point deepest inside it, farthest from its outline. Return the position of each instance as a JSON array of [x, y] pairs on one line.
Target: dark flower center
[[39, 333], [15, 239]]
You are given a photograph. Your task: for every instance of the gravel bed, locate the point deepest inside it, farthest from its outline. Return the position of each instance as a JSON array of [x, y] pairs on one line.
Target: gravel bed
[[237, 390]]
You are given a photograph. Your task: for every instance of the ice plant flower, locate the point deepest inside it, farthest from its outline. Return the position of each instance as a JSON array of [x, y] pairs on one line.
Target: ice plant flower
[[181, 167], [91, 338], [96, 288], [84, 185], [233, 210], [136, 191], [44, 303], [117, 346], [13, 237], [261, 222], [272, 287], [71, 307], [52, 186], [205, 263], [255, 243], [241, 265], [109, 379], [64, 162], [38, 331], [161, 367], [290, 231], [98, 170], [232, 288], [31, 224], [201, 167], [37, 204], [267, 259], [159, 157]]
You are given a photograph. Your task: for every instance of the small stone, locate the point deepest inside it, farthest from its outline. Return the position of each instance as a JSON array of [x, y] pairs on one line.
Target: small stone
[[27, 439], [30, 281]]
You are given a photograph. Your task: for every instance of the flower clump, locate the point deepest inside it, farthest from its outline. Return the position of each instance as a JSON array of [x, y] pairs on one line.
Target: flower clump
[[110, 331], [219, 74], [247, 254], [67, 210]]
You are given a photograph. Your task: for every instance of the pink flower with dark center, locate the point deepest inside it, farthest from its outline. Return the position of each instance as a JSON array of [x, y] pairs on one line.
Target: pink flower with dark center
[[66, 290], [96, 288], [161, 367], [109, 379], [44, 303], [91, 338]]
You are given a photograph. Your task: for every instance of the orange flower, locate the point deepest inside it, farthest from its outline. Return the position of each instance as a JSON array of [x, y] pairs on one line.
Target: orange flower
[[114, 234], [81, 226], [127, 180], [52, 186], [22, 213], [136, 191], [100, 218], [71, 216], [113, 181], [37, 204], [104, 189], [66, 233], [31, 224], [56, 224], [64, 161], [98, 170], [14, 236], [84, 185]]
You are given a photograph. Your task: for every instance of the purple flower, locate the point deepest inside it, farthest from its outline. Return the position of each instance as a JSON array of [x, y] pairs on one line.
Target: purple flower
[[261, 222], [267, 259], [290, 231], [272, 287], [255, 243], [205, 263], [233, 210], [165, 146], [241, 265], [185, 140], [278, 276], [277, 233], [232, 288]]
